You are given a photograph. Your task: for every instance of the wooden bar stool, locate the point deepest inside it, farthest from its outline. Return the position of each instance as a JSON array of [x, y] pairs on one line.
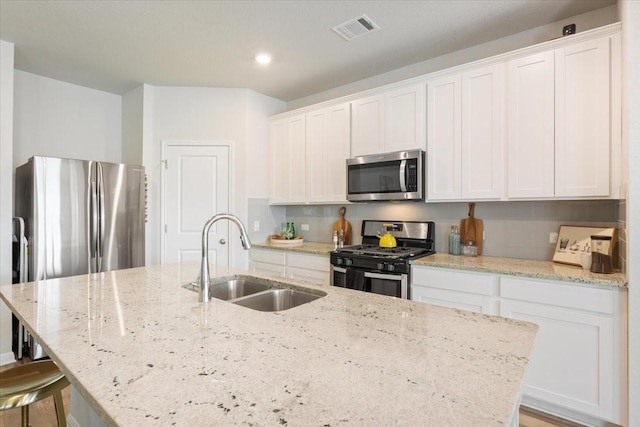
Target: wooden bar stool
[[28, 383]]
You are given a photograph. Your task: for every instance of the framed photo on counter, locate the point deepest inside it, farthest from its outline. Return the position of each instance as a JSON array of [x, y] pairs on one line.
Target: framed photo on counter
[[573, 241]]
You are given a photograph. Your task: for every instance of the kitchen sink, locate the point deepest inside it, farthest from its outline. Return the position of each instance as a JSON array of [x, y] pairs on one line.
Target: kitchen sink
[[257, 293], [277, 299]]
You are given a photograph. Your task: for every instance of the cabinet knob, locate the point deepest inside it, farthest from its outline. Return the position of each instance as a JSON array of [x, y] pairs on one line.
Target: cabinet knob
[[223, 242]]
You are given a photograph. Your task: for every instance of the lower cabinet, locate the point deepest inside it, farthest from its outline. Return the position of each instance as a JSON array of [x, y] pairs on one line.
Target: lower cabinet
[[307, 267], [455, 289], [578, 368]]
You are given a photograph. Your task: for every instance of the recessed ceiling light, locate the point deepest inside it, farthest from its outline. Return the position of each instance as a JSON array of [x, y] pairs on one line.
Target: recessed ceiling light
[[263, 58]]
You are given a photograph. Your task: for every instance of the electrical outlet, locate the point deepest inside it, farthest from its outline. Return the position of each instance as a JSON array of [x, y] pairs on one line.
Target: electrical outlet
[[569, 29], [304, 227], [553, 237], [256, 225]]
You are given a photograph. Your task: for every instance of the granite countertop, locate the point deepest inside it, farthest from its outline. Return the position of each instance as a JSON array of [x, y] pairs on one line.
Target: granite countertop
[[306, 247], [500, 265], [523, 268], [141, 350]]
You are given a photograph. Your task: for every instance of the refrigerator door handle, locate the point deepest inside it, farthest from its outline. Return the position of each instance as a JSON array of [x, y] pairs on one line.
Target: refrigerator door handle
[[101, 215], [93, 222]]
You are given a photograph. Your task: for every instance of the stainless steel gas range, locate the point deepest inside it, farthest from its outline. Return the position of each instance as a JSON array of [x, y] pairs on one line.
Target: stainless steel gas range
[[383, 270]]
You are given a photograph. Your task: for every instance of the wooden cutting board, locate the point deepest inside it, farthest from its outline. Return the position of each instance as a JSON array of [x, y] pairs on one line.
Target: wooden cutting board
[[343, 224], [472, 228]]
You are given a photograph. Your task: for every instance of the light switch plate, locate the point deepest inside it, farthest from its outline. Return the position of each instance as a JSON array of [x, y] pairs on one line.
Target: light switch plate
[[553, 237], [256, 225], [304, 227]]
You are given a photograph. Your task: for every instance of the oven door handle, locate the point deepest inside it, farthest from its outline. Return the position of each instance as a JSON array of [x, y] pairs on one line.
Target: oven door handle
[[383, 276], [340, 269]]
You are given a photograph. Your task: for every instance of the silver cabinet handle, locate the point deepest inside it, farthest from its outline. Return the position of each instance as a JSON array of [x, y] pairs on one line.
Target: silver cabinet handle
[[223, 242]]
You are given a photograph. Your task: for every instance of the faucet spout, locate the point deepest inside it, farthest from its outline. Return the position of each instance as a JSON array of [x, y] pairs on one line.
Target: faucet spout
[[204, 266]]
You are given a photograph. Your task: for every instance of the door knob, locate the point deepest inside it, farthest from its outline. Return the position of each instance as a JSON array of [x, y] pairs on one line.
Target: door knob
[[223, 242]]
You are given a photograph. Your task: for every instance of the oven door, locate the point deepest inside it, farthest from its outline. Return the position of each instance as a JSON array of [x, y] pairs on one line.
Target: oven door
[[395, 285]]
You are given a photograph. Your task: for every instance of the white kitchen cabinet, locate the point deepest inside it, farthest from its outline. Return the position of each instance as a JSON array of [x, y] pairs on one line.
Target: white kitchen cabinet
[[456, 289], [271, 263], [559, 126], [287, 160], [308, 267], [327, 145], [300, 266], [483, 118], [444, 138], [389, 121], [465, 137], [582, 124], [530, 126], [578, 367]]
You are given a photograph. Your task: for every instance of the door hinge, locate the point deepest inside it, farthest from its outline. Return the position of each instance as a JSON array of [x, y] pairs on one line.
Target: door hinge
[[166, 164], [165, 228]]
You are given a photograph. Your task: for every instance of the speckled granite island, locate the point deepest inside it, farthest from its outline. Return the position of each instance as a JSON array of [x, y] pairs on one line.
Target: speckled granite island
[[142, 351]]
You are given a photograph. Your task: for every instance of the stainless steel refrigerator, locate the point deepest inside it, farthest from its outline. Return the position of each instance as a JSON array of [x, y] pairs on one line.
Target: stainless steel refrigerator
[[80, 216]]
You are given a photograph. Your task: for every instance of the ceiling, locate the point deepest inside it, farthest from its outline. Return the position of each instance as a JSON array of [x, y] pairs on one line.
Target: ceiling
[[115, 46]]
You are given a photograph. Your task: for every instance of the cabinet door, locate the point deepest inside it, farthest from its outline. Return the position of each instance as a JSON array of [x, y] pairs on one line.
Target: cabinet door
[[444, 126], [267, 269], [367, 126], [530, 127], [405, 119], [482, 161], [287, 160], [572, 365], [327, 140], [582, 126]]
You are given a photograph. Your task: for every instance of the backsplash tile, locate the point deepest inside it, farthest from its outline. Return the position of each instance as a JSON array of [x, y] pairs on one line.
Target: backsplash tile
[[512, 229]]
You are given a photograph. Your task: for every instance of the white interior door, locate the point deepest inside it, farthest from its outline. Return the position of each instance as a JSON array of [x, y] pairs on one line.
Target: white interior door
[[196, 187]]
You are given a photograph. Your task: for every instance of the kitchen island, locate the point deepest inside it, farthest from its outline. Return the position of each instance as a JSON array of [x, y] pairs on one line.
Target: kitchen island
[[141, 350]]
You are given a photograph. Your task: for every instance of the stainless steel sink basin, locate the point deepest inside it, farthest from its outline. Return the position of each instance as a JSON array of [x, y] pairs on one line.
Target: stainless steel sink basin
[[277, 299], [259, 294], [236, 288]]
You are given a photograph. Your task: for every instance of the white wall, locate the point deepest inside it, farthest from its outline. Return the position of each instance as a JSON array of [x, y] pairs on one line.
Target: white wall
[[586, 21], [58, 119], [132, 126], [6, 190], [630, 14], [205, 113]]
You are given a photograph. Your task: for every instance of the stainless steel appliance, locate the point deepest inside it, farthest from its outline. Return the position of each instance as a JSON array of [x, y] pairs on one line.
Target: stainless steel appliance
[[80, 216], [391, 176], [383, 270]]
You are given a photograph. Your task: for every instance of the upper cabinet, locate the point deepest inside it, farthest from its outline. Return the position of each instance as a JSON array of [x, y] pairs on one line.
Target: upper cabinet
[[308, 155], [327, 142], [389, 121], [287, 159], [465, 139], [560, 139], [542, 122]]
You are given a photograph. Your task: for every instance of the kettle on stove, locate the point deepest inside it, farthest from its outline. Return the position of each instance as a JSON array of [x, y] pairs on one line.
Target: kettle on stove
[[387, 240]]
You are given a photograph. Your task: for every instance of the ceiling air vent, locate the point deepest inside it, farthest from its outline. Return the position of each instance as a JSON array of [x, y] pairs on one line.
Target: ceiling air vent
[[355, 27]]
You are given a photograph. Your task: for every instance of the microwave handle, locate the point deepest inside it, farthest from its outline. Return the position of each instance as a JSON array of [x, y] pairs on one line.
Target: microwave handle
[[403, 175]]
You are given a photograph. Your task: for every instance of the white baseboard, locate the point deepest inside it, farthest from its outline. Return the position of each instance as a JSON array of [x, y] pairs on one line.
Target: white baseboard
[[6, 358]]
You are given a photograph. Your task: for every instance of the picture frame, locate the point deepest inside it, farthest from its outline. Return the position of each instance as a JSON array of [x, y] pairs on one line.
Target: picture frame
[[574, 240]]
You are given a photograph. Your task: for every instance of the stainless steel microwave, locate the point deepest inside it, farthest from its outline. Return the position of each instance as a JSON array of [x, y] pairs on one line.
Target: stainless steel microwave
[[390, 176]]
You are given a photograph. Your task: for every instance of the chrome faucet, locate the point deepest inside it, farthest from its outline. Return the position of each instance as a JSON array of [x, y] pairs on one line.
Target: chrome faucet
[[204, 278]]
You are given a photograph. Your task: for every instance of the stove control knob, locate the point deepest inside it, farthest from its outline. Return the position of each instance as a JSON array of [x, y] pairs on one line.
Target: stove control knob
[[380, 266], [391, 267], [348, 261], [339, 261]]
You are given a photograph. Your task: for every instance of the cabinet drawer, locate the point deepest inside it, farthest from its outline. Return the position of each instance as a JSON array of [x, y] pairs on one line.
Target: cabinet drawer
[[558, 294], [271, 257], [473, 283], [267, 269], [460, 300], [313, 276], [309, 262]]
